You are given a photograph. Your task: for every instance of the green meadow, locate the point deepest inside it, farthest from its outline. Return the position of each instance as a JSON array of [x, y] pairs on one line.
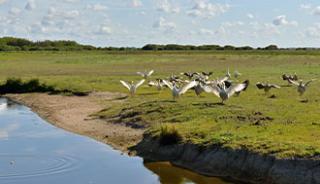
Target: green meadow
[[286, 125]]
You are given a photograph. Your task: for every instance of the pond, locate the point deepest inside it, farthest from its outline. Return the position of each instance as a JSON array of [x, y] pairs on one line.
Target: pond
[[32, 151]]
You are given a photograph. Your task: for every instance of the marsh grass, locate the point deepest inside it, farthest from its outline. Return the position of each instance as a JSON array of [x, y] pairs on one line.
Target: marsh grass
[[285, 125]]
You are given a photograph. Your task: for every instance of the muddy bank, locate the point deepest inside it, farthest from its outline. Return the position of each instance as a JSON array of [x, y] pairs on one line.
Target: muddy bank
[[240, 165], [73, 113]]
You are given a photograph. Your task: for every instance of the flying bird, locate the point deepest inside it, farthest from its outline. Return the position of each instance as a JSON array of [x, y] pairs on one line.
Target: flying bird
[[145, 74], [176, 91], [266, 86], [225, 93], [302, 87], [131, 86]]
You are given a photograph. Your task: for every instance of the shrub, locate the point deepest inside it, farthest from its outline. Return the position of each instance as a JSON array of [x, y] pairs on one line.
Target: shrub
[[169, 135]]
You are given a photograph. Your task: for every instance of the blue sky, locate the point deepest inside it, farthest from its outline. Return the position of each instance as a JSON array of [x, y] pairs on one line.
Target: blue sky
[[287, 23]]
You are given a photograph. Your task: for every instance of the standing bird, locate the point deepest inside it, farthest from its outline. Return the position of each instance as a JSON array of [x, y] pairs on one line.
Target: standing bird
[[177, 92], [228, 74], [131, 86], [158, 83], [302, 87], [266, 87], [145, 74], [290, 78], [225, 93], [236, 74]]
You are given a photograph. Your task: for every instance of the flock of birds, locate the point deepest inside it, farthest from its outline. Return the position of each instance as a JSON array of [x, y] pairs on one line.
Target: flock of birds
[[200, 82]]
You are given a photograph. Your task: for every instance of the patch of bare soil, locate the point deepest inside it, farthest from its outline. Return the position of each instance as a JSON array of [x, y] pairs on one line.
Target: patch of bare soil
[[72, 113]]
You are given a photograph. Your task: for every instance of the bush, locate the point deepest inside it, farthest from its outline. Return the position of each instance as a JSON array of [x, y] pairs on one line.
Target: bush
[[169, 135], [16, 85]]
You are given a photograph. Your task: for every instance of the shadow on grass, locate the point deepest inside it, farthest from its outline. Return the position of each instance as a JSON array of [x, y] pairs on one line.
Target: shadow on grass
[[16, 85]]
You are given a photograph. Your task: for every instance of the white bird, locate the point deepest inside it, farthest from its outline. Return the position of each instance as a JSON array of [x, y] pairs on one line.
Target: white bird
[[177, 92], [236, 74], [158, 83], [131, 86], [225, 93], [266, 86], [302, 87], [228, 73], [145, 74]]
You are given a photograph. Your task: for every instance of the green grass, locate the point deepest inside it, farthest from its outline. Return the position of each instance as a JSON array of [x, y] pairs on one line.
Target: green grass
[[283, 126]]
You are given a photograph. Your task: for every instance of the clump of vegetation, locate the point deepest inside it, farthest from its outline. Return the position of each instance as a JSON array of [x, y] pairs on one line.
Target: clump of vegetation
[[16, 85], [169, 135]]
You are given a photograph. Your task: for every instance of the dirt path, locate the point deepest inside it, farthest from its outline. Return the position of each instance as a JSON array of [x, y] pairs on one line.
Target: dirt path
[[72, 113]]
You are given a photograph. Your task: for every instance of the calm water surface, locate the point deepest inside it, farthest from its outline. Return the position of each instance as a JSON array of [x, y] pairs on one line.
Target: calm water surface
[[34, 152]]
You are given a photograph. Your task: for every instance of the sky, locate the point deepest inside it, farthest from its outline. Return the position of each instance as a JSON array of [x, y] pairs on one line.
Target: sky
[[286, 23]]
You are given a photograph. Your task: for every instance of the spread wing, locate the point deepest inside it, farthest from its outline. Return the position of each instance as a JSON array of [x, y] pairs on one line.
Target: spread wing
[[152, 83], [139, 83], [260, 85], [309, 82], [238, 88], [125, 84], [293, 82], [150, 73], [222, 79], [140, 73], [275, 86], [185, 88], [212, 89], [167, 84]]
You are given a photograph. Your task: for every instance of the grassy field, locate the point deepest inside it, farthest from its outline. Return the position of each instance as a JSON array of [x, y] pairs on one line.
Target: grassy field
[[287, 125]]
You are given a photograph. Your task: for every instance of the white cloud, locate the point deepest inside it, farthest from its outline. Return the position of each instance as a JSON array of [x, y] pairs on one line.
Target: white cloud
[[72, 14], [250, 16], [103, 29], [2, 1], [305, 6], [316, 11], [14, 11], [204, 31], [31, 5], [281, 20], [166, 6], [313, 31], [207, 9], [162, 23], [136, 3], [97, 7]]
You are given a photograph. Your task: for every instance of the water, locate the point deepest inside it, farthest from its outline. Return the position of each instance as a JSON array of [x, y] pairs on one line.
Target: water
[[33, 151]]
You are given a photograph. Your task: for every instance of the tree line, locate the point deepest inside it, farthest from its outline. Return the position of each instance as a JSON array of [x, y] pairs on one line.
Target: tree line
[[21, 44]]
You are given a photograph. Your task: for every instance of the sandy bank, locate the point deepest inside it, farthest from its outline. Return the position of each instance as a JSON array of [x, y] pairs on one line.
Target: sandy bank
[[72, 113]]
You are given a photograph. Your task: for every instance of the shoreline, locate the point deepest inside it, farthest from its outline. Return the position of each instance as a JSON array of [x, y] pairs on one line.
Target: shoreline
[[72, 113]]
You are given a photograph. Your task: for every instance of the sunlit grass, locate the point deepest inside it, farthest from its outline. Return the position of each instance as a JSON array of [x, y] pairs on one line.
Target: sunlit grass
[[283, 126]]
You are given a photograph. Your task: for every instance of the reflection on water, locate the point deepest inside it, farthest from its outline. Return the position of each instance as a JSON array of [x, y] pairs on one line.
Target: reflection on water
[[170, 174], [33, 152]]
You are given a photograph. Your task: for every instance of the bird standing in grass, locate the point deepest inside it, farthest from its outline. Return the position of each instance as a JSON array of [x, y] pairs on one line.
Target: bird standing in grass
[[146, 74], [176, 91], [236, 74], [131, 86], [266, 86], [302, 87], [225, 93], [158, 83]]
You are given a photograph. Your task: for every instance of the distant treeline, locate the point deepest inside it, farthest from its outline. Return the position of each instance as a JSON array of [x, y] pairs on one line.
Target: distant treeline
[[20, 44]]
